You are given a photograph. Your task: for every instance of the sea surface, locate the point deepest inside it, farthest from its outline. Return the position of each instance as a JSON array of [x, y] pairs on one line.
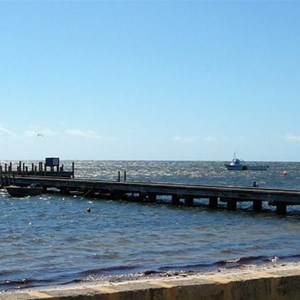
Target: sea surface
[[53, 239]]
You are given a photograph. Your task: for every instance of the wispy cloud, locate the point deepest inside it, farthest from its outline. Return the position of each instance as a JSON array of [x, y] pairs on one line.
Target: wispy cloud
[[210, 139], [6, 132], [87, 134], [185, 139], [292, 137]]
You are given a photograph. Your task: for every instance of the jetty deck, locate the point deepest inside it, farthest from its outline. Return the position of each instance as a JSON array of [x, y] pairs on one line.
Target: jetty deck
[[177, 193]]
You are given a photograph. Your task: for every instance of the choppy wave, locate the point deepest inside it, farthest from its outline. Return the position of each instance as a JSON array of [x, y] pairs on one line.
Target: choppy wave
[[53, 240]]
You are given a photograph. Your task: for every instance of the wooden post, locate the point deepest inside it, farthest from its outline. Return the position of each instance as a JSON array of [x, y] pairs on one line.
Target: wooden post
[[125, 176], [73, 169], [119, 176], [175, 200], [257, 205], [64, 191], [231, 204], [213, 202], [280, 208], [189, 200], [115, 195], [142, 196], [20, 168], [1, 182], [152, 198]]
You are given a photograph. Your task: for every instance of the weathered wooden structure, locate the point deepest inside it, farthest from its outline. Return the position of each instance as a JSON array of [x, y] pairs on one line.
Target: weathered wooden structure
[[50, 168], [176, 193]]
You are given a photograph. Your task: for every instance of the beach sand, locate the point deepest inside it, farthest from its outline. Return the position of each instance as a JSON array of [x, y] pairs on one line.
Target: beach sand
[[276, 280]]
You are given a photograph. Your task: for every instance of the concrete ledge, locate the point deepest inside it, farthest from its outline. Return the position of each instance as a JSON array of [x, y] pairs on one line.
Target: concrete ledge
[[280, 282]]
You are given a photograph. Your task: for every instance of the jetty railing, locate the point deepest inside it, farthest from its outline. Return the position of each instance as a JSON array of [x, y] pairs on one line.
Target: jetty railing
[[9, 170]]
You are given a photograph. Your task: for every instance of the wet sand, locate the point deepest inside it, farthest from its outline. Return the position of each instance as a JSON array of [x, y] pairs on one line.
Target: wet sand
[[280, 280]]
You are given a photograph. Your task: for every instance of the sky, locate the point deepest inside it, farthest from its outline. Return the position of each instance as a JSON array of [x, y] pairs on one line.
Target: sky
[[150, 80]]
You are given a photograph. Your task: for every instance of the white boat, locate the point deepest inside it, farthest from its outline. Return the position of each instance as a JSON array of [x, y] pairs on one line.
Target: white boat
[[238, 165]]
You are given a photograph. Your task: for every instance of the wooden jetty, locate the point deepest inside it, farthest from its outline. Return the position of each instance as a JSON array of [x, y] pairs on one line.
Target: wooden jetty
[[151, 192]]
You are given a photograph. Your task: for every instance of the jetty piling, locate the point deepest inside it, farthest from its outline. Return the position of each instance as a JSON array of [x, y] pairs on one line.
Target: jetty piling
[[213, 202], [175, 199]]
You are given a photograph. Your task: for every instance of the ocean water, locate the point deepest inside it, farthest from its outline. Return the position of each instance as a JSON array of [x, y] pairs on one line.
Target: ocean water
[[53, 239]]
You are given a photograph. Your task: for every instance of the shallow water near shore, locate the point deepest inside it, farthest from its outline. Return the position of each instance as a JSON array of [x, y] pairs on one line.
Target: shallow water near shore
[[53, 239]]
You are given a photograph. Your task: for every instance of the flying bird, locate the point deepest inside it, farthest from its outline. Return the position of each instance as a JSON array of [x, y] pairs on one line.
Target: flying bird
[[39, 134]]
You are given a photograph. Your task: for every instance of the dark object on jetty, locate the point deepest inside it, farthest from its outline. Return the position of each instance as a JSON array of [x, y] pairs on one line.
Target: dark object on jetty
[[24, 191], [52, 161]]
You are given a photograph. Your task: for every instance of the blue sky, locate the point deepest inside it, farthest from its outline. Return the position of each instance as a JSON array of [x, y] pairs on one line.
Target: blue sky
[[150, 80]]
